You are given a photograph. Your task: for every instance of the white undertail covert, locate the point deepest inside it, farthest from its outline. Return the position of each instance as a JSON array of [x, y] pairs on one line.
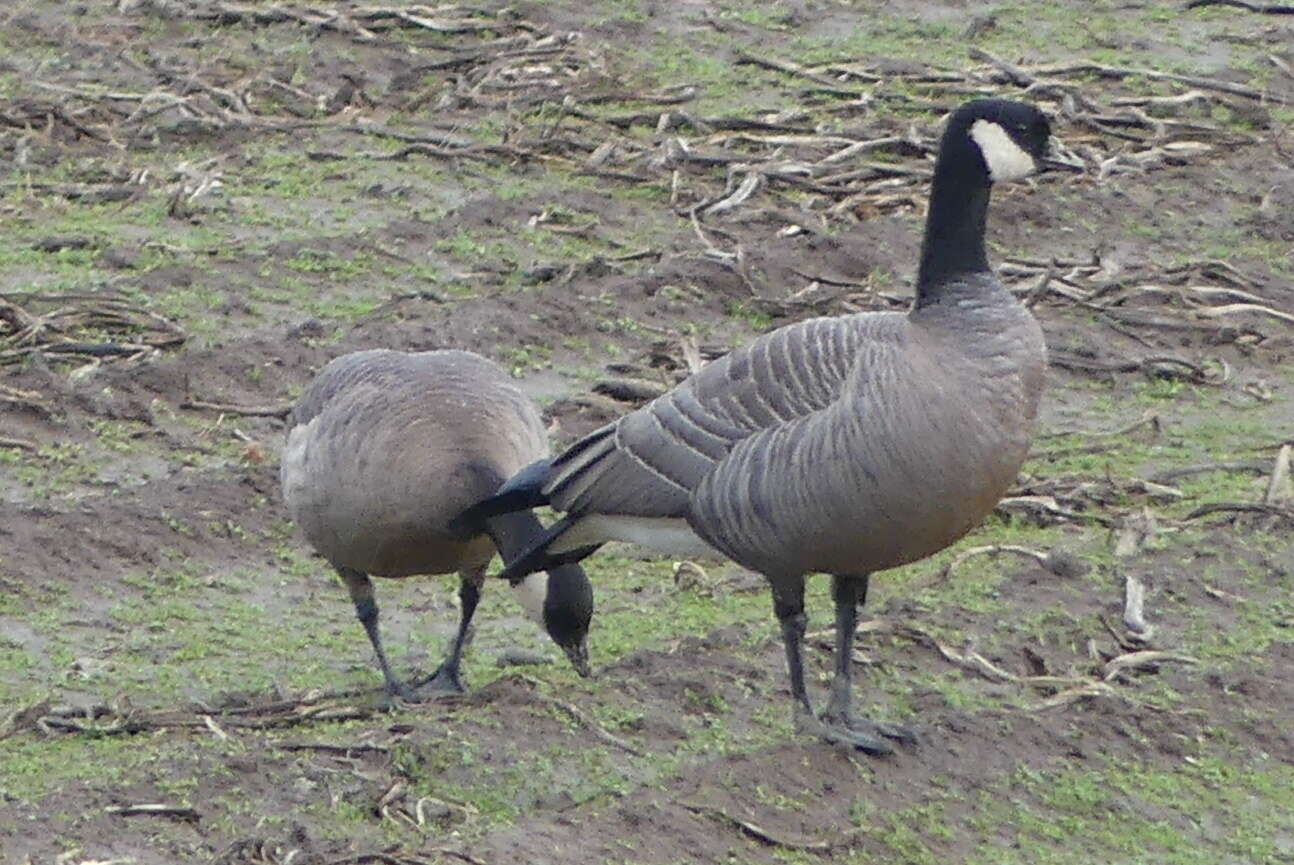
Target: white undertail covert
[[530, 593]]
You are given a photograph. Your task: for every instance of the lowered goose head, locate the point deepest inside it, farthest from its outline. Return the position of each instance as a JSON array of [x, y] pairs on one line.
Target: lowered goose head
[[561, 601], [568, 609]]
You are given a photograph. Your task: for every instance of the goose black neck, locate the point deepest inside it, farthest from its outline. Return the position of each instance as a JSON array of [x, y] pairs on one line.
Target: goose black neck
[[514, 534], [568, 586], [953, 244]]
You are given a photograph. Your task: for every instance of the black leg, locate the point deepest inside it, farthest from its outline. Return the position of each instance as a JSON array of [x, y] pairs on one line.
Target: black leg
[[788, 605], [845, 592], [446, 678], [836, 726], [361, 594], [849, 593]]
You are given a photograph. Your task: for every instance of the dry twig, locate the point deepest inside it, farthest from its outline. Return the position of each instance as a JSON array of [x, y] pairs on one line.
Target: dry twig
[[1264, 8], [631, 390], [1169, 475], [25, 717], [1142, 660], [277, 411], [1086, 691], [1047, 506], [1278, 485], [1134, 618], [757, 832], [25, 332], [342, 750], [154, 810], [1241, 507], [1059, 562], [1150, 419], [1086, 67], [580, 717]]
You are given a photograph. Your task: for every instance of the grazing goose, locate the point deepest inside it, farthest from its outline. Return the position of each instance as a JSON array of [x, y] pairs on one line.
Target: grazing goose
[[840, 445], [383, 448]]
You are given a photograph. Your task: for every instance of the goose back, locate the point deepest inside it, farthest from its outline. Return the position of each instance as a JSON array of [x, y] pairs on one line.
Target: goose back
[[649, 462], [385, 447]]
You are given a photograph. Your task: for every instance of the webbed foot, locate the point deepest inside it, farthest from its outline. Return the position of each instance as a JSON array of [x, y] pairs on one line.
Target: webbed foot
[[867, 736]]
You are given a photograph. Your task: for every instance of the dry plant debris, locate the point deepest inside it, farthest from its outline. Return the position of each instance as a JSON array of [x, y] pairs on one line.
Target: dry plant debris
[[796, 168], [102, 719], [717, 167], [72, 327], [1061, 690], [1060, 562]]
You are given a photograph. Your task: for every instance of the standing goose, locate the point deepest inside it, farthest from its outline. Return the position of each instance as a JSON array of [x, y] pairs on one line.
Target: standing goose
[[383, 448], [840, 445]]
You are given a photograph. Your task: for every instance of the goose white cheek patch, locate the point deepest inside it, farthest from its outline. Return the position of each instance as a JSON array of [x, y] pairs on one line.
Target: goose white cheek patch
[[1006, 160], [530, 593]]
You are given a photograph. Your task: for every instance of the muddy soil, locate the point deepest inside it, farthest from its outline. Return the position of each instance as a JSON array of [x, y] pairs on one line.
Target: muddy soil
[[285, 186]]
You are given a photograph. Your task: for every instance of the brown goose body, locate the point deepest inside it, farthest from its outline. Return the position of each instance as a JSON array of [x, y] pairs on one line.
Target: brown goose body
[[824, 446], [383, 448]]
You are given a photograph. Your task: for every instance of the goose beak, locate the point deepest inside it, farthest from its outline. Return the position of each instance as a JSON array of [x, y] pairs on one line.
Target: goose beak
[[578, 653], [1060, 158]]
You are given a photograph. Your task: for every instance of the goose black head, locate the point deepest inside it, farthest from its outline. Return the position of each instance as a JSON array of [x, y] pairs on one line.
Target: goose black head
[[568, 610], [1013, 139], [561, 600], [985, 141]]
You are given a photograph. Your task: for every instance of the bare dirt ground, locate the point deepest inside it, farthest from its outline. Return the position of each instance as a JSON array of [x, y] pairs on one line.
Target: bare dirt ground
[[204, 202]]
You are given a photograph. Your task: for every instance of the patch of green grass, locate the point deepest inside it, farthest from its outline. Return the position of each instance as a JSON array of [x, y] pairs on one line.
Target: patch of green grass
[[619, 628], [621, 11], [1136, 814], [523, 359], [56, 468], [755, 317], [35, 769], [468, 245], [724, 86], [64, 264], [330, 264], [1203, 808], [880, 36], [1254, 628], [770, 16]]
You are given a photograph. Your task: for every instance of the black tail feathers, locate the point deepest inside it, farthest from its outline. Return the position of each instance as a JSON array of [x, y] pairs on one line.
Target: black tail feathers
[[537, 557], [522, 491]]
